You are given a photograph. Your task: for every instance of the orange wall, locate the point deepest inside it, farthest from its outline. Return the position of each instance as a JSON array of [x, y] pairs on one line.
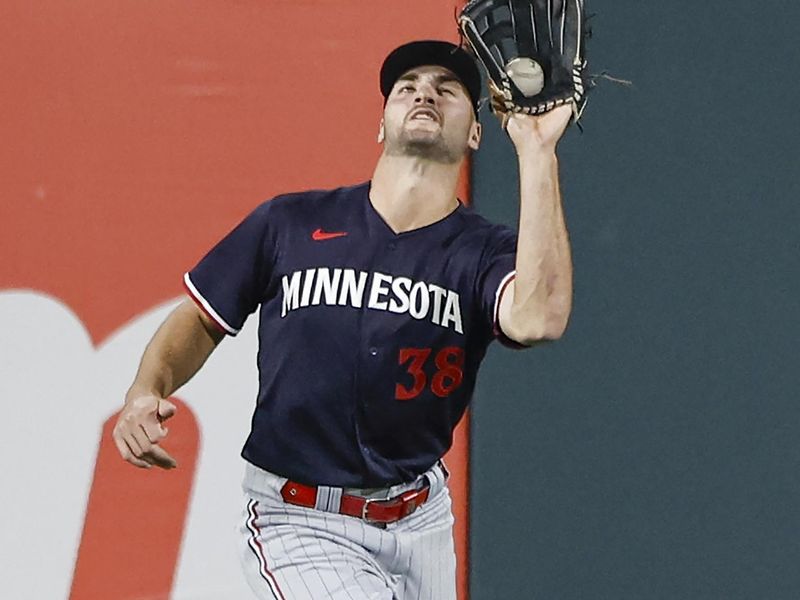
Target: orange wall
[[137, 132]]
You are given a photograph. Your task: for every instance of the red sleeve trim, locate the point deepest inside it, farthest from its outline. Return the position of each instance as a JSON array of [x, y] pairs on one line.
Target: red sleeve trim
[[498, 332], [206, 307]]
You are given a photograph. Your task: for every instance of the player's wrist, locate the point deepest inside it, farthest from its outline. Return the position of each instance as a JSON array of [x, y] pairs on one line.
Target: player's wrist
[[528, 153], [136, 392]]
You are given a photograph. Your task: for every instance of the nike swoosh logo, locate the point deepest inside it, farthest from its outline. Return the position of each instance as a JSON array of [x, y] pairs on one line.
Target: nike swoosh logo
[[319, 235]]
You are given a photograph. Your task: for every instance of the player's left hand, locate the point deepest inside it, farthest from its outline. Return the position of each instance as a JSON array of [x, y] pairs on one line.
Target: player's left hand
[[539, 132]]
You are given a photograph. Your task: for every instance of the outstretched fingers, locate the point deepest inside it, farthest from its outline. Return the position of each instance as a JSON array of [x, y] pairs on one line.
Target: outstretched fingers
[[159, 457], [127, 454]]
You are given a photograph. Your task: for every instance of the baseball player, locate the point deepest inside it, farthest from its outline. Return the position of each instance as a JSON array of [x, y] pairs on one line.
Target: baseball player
[[377, 303]]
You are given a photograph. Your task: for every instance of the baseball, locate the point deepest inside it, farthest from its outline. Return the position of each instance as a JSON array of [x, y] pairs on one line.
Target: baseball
[[527, 75]]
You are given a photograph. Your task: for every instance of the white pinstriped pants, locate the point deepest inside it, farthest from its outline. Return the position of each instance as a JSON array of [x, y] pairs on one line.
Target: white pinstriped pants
[[295, 553]]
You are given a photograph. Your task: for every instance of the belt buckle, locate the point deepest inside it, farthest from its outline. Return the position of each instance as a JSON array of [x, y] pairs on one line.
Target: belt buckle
[[365, 509], [407, 508], [408, 502]]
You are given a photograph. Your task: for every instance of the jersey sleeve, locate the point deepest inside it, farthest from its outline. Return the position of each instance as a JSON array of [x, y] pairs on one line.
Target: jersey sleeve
[[230, 281], [495, 272]]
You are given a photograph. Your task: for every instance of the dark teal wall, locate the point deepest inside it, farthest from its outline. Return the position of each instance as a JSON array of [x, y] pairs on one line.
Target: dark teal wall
[[654, 451]]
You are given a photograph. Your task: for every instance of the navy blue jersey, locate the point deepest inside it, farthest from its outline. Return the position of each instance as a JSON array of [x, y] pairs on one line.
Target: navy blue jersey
[[369, 341]]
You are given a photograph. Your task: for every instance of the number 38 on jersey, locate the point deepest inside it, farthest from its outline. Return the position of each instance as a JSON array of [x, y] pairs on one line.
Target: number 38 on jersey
[[441, 371]]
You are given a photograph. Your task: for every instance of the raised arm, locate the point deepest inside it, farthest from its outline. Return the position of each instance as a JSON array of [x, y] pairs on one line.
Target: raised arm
[[177, 351], [537, 303]]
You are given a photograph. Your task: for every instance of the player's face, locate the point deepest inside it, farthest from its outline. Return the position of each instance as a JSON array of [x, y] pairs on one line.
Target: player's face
[[429, 114]]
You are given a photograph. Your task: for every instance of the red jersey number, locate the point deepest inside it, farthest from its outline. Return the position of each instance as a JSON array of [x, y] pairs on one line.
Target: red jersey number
[[417, 356], [449, 374]]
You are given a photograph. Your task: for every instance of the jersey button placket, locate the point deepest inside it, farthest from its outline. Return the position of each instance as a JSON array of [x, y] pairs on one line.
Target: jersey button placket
[[372, 353]]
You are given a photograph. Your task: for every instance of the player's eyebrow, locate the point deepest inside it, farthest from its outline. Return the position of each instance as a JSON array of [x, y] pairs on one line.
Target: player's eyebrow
[[440, 79]]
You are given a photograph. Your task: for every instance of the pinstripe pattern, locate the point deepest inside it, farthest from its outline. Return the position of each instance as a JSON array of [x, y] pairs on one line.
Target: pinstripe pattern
[[254, 543], [314, 555]]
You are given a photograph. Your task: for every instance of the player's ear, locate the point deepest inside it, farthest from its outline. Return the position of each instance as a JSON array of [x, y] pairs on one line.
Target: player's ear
[[381, 132], [475, 135]]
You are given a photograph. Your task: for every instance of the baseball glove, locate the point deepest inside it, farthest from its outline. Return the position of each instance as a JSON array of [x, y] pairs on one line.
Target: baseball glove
[[533, 52]]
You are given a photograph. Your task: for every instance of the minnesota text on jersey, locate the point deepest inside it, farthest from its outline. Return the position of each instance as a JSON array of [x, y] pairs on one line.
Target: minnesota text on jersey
[[346, 287]]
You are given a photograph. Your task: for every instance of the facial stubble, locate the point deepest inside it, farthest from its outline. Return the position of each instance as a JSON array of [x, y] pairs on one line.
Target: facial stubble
[[429, 147]]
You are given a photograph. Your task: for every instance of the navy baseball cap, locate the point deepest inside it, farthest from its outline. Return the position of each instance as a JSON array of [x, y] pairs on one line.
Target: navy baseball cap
[[432, 52]]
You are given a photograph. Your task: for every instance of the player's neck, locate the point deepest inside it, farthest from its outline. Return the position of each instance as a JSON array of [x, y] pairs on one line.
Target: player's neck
[[410, 193]]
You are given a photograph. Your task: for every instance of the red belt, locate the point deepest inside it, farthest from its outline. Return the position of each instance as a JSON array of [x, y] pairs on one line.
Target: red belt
[[373, 511]]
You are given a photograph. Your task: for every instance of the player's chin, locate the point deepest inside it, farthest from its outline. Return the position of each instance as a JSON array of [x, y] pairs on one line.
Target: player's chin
[[434, 150], [427, 131]]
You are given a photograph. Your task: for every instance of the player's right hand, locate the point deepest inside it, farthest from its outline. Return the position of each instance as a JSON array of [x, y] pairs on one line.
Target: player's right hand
[[139, 430]]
